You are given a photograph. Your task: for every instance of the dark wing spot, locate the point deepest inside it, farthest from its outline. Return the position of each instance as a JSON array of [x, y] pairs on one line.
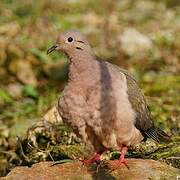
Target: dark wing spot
[[79, 48], [81, 41]]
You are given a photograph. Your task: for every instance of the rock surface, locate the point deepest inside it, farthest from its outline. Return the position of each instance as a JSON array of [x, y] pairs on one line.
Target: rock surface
[[139, 170]]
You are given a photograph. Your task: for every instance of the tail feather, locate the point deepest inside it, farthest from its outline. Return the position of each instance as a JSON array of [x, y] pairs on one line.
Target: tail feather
[[157, 135], [162, 136]]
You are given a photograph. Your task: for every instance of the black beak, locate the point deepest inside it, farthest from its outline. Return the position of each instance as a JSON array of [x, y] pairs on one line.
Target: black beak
[[53, 48]]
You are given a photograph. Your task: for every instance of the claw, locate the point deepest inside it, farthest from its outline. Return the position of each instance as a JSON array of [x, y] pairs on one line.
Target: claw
[[115, 164], [95, 159]]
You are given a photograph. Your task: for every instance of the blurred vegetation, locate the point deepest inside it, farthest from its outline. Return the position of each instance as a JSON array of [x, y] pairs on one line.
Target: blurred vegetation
[[31, 81]]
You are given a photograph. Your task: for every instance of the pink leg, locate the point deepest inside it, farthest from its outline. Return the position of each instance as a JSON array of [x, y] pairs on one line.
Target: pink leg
[[123, 153], [118, 163], [94, 159]]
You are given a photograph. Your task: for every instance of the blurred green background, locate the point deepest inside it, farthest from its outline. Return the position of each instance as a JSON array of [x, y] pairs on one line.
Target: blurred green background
[[142, 36]]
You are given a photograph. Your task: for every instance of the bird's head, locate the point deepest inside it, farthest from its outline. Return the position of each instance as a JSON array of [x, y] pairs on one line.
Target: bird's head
[[70, 42]]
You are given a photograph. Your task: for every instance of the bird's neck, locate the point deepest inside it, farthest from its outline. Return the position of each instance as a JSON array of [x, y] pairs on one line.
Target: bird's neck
[[80, 66]]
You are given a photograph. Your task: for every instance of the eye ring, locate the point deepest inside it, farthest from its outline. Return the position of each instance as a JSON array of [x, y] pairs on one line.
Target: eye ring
[[70, 39]]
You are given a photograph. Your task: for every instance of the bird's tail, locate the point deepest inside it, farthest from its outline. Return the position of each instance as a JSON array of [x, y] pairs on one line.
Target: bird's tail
[[162, 136], [158, 135]]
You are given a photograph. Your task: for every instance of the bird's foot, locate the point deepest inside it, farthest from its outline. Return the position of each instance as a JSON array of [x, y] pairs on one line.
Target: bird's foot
[[95, 159], [116, 164]]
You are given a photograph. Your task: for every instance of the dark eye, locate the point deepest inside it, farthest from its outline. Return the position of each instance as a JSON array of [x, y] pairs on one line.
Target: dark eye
[[70, 39]]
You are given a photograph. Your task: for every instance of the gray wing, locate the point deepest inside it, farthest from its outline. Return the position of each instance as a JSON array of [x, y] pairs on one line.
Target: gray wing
[[143, 120], [137, 100]]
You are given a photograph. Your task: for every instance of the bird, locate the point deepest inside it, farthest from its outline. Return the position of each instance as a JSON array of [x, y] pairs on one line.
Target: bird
[[102, 102]]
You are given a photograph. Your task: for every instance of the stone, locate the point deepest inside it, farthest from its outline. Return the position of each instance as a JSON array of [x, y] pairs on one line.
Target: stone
[[139, 170], [23, 70], [133, 42]]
